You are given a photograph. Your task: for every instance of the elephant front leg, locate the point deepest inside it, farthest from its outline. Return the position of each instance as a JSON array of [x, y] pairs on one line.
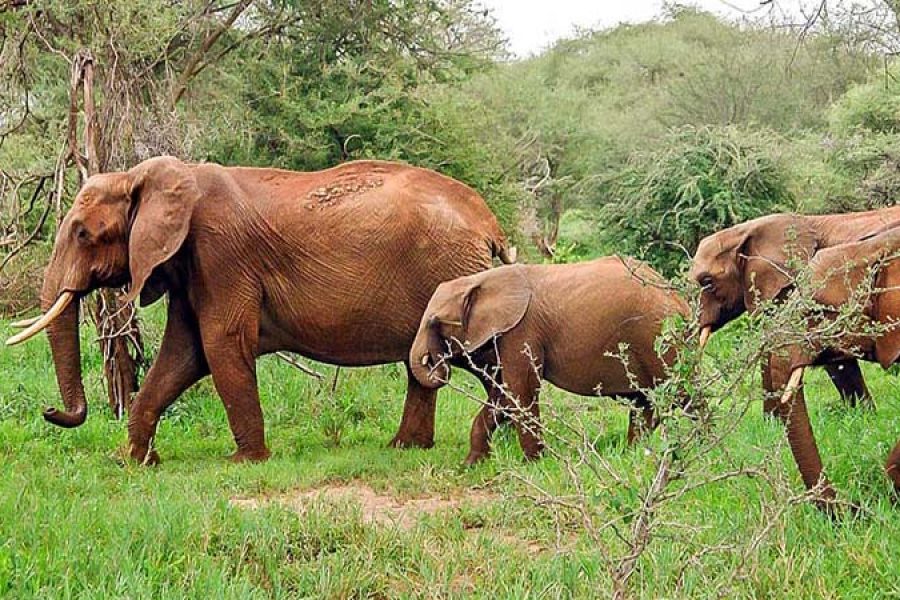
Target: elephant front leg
[[520, 399], [486, 422], [179, 365], [848, 379], [417, 425]]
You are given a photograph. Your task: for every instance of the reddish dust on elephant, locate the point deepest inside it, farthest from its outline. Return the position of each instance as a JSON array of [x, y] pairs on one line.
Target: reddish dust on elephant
[[744, 265], [516, 325], [336, 265]]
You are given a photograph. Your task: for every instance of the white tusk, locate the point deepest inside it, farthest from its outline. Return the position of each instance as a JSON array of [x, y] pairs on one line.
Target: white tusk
[[425, 360], [60, 305], [793, 385], [704, 335], [26, 322]]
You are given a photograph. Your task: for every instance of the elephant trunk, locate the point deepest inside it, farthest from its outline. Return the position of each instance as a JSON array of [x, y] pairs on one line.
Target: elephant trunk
[[801, 438], [65, 346], [426, 359]]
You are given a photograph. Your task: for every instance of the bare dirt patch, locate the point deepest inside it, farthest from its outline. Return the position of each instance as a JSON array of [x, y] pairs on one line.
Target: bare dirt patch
[[384, 509], [376, 508]]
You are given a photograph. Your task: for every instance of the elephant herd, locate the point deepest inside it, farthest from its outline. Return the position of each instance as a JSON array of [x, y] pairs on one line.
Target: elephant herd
[[375, 262]]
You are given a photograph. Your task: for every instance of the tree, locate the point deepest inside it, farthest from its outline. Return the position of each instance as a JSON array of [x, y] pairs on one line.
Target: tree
[[698, 181]]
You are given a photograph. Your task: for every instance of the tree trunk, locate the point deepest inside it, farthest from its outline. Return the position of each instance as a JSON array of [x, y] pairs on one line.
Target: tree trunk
[[119, 335], [546, 237], [116, 324]]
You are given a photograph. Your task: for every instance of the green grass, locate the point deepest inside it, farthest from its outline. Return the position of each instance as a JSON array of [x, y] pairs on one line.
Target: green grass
[[77, 521]]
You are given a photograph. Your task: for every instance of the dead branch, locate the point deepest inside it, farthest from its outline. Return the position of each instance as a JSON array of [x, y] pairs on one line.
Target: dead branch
[[294, 362], [190, 70], [31, 236]]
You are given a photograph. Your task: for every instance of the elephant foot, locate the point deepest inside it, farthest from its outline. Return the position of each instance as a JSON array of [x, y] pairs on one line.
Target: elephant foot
[[827, 502], [532, 454], [411, 441], [242, 456], [474, 458], [771, 413], [144, 456]]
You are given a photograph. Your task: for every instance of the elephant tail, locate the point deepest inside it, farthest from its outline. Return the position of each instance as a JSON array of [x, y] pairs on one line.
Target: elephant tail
[[502, 250]]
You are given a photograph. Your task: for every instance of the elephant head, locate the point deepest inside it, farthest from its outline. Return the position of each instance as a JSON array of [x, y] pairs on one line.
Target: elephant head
[[743, 265], [120, 227], [465, 314]]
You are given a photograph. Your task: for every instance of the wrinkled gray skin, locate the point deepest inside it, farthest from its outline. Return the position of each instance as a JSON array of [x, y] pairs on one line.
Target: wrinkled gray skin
[[526, 323]]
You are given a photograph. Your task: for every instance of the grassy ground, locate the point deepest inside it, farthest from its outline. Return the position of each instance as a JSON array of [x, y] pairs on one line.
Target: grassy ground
[[76, 521]]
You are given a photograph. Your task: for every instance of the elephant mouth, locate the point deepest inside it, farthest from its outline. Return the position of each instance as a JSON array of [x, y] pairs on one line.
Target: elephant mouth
[[714, 317], [436, 367]]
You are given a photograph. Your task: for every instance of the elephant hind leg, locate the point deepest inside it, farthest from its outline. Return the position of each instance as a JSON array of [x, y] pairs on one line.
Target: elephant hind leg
[[417, 425], [848, 379], [231, 357], [638, 427]]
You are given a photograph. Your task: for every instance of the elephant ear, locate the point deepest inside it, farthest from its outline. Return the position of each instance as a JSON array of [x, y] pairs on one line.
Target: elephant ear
[[494, 305], [838, 272], [764, 278], [765, 257], [164, 193]]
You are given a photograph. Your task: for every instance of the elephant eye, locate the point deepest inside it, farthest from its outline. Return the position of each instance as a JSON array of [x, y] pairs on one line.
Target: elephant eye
[[81, 234]]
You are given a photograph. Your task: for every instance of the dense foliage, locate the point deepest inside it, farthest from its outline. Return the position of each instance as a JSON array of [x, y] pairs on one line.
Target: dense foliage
[[687, 114], [698, 180]]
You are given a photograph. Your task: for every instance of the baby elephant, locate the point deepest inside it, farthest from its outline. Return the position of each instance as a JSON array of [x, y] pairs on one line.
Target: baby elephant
[[519, 324]]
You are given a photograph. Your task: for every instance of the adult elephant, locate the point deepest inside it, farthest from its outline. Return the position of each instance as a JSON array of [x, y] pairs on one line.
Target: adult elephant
[[744, 265], [337, 265]]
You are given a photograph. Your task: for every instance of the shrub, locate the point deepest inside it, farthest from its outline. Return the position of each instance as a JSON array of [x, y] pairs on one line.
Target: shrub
[[20, 284], [872, 107], [697, 181], [864, 146]]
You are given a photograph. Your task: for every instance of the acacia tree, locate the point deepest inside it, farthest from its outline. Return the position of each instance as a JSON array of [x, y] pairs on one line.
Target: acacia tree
[[343, 80]]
